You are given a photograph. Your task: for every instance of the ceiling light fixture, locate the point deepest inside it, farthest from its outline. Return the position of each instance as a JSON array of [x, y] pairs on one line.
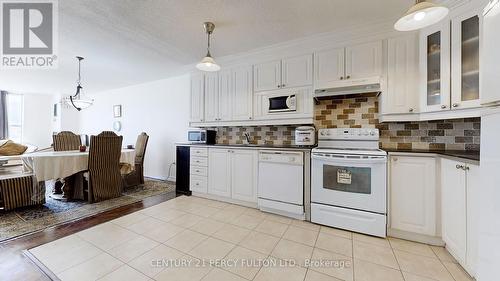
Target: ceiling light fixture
[[208, 63], [79, 100], [421, 15]]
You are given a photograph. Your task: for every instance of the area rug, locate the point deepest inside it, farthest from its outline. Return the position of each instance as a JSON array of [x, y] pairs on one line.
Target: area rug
[[54, 212]]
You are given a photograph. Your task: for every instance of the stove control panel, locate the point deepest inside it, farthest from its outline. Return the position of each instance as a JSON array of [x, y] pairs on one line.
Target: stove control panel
[[348, 134]]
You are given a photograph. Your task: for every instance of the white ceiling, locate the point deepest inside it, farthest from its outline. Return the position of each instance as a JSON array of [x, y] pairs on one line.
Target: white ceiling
[[127, 42]]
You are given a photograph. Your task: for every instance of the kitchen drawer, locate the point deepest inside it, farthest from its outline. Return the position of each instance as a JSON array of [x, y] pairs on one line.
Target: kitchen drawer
[[199, 161], [199, 151], [198, 184], [198, 170]]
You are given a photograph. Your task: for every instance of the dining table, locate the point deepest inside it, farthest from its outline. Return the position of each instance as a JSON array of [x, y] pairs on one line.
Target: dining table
[[54, 165]]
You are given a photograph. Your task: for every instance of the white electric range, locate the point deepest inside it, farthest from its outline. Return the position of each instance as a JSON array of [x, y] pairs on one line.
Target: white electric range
[[349, 181]]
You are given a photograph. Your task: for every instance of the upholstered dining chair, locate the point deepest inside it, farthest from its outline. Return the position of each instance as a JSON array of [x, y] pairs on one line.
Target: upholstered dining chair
[[136, 177], [105, 181], [66, 140], [20, 190]]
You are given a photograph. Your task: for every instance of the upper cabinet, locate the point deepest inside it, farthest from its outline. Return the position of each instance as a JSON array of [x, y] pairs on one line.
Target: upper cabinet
[[402, 83], [345, 66], [435, 67], [465, 60], [286, 73], [197, 96], [241, 99], [212, 97]]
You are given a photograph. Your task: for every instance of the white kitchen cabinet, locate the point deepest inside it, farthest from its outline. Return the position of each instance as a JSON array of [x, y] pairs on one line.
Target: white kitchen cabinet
[[363, 60], [465, 35], [267, 76], [211, 97], [402, 83], [219, 172], [225, 98], [286, 73], [242, 98], [460, 188], [412, 198], [329, 67], [197, 97], [435, 67], [296, 71], [244, 175]]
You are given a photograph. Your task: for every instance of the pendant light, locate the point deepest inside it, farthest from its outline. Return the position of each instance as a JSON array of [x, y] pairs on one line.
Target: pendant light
[[422, 14], [79, 101], [208, 63]]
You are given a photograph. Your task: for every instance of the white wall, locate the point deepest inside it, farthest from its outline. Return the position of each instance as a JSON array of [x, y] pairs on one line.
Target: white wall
[[37, 118], [159, 108]]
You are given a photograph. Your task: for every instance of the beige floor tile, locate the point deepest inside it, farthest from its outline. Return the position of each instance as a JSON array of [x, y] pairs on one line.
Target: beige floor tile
[[168, 215], [339, 266], [159, 209], [146, 225], [367, 271], [255, 213], [443, 254], [247, 221], [289, 250], [375, 254], [248, 262], [163, 232], [371, 239], [215, 204], [231, 233], [227, 215], [337, 232], [185, 240], [186, 221], [306, 225], [129, 219], [316, 276], [132, 249], [107, 235], [260, 242], [207, 226], [92, 269], [421, 265], [151, 262], [222, 275], [192, 270], [204, 211], [274, 270], [278, 218], [211, 249], [334, 244], [412, 247], [125, 273], [457, 272], [301, 235], [65, 253], [271, 227], [413, 277]]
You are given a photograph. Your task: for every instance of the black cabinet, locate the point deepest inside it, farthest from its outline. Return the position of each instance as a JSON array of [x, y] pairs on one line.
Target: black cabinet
[[182, 170]]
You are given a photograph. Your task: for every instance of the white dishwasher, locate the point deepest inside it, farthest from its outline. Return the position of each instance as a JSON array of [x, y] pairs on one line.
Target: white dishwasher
[[281, 183]]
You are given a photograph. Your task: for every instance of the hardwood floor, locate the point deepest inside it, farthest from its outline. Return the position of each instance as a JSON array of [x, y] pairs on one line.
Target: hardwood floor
[[15, 266]]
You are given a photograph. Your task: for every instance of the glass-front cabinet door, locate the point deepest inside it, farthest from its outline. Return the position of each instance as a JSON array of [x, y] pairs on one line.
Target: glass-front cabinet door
[[434, 63], [465, 60]]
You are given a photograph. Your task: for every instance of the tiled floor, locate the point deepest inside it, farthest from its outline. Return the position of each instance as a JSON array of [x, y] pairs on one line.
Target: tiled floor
[[211, 240]]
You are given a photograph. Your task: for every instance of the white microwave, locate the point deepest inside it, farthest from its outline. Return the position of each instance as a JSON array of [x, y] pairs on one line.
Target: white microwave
[[282, 103]]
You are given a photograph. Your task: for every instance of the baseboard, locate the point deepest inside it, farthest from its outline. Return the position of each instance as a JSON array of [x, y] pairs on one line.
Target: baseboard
[[225, 199], [426, 239]]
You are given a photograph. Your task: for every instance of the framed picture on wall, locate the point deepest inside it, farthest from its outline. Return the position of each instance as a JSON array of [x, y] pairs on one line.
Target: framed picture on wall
[[117, 111], [55, 112]]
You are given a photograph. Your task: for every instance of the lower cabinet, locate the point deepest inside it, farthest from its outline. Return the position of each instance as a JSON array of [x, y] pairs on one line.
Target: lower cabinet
[[232, 173], [460, 183], [412, 200]]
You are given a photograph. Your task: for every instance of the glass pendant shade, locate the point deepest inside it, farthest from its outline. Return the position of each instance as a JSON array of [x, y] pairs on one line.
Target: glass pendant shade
[[208, 64], [421, 15], [81, 102]]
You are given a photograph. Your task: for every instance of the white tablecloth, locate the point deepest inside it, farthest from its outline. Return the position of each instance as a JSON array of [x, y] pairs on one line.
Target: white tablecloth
[[50, 165]]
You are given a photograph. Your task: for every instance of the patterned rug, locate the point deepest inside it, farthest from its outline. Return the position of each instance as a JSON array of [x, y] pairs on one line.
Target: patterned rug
[[53, 212]]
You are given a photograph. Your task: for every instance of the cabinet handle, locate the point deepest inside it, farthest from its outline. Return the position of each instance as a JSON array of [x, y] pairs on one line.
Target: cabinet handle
[[341, 78], [443, 106], [466, 168], [283, 85], [411, 110], [395, 159], [455, 105], [461, 167], [249, 117], [279, 86], [348, 77], [197, 183]]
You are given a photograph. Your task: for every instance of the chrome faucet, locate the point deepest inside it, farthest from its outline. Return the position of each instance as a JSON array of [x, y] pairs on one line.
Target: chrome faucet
[[247, 136]]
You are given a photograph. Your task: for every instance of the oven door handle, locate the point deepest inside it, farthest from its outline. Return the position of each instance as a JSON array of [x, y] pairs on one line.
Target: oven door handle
[[375, 160]]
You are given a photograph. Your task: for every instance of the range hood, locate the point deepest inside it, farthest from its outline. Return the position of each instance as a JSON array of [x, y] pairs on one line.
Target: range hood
[[349, 87]]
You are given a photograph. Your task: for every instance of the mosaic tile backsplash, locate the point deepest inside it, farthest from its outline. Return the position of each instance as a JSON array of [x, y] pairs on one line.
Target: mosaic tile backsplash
[[361, 111]]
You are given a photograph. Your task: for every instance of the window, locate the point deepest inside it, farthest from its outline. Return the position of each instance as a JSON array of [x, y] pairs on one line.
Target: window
[[15, 117]]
